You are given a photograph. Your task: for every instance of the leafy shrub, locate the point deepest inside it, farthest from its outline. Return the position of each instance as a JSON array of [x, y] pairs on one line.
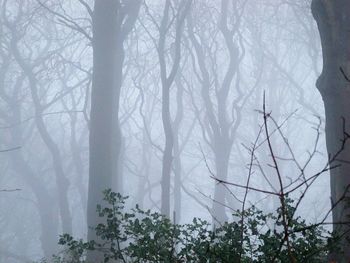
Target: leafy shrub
[[145, 236]]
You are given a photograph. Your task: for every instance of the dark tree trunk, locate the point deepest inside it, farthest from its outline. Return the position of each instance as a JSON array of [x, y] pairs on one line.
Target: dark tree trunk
[[103, 113], [112, 21], [333, 20]]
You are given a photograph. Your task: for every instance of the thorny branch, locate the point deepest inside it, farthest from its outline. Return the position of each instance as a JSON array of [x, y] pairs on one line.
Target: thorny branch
[[294, 186]]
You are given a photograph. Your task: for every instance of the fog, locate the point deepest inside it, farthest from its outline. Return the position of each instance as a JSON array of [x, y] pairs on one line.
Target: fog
[[165, 110]]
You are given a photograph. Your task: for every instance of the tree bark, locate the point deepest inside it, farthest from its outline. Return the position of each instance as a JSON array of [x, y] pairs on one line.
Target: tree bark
[[333, 21]]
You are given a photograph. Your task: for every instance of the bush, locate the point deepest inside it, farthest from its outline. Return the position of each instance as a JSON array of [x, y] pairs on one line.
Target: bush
[[145, 236]]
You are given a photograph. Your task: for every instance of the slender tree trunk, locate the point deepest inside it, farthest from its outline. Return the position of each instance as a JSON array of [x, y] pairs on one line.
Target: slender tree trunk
[[222, 155], [167, 157], [166, 118], [177, 181], [145, 170], [61, 180], [177, 151], [47, 209], [333, 20], [78, 162], [221, 128], [118, 178], [167, 81]]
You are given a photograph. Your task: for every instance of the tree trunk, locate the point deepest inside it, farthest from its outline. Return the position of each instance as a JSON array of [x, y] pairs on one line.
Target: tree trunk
[[333, 20], [167, 80], [103, 113], [222, 155], [168, 152], [61, 180], [112, 22], [221, 128], [177, 151], [47, 209]]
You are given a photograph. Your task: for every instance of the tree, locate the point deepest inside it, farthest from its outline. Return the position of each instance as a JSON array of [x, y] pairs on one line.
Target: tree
[[112, 22], [252, 236], [167, 81], [171, 18], [27, 75], [222, 116], [333, 19]]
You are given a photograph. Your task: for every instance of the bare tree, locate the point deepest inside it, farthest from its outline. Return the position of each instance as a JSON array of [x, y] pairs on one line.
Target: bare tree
[[221, 117], [35, 85], [171, 18]]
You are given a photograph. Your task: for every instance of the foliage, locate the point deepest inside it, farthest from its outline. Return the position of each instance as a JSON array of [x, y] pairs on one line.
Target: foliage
[[145, 236]]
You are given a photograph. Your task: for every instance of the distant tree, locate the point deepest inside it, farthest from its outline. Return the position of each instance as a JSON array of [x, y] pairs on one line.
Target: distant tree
[[222, 98], [27, 65], [171, 18], [24, 65]]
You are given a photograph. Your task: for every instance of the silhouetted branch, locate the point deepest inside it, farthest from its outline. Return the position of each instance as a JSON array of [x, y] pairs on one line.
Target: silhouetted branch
[[344, 75], [10, 190], [10, 149], [285, 190]]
